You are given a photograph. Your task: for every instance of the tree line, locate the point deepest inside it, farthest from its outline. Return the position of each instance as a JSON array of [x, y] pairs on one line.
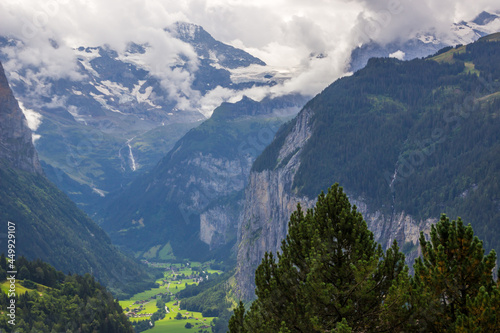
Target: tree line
[[55, 302]]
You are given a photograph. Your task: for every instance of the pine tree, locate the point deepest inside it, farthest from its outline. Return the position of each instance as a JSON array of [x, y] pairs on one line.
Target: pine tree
[[330, 274], [236, 321], [454, 281], [483, 313]]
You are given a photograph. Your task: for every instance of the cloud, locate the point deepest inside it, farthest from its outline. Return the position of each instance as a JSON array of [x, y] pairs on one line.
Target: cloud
[[398, 55], [33, 118], [34, 121], [310, 41]]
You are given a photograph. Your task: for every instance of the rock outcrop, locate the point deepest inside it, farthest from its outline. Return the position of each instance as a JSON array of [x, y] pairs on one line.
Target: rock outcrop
[[16, 146]]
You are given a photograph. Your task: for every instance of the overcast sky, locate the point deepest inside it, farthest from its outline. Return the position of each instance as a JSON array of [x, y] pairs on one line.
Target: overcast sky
[[283, 33]]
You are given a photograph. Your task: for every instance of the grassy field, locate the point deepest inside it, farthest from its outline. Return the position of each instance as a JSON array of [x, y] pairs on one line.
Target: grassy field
[[170, 324], [178, 326], [171, 283], [5, 286], [447, 57]]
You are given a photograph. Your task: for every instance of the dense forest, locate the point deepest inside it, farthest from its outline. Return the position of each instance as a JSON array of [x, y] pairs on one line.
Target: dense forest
[[331, 276], [420, 137], [47, 300]]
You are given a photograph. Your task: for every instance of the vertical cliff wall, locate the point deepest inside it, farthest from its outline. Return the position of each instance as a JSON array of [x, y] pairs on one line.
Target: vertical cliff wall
[[16, 146]]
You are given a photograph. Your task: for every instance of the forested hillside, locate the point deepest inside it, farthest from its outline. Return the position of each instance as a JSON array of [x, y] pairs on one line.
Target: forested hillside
[[420, 136], [50, 226], [47, 300]]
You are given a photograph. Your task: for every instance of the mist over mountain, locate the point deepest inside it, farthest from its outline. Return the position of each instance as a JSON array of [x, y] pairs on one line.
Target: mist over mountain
[[425, 43], [115, 116]]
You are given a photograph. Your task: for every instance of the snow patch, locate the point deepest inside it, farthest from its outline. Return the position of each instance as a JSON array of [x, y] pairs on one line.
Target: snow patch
[[428, 39], [103, 90], [88, 67], [139, 60], [131, 156], [35, 137], [98, 191], [101, 100], [142, 97]]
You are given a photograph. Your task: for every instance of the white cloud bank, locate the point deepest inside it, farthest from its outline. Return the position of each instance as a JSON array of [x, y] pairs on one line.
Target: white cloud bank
[[312, 40]]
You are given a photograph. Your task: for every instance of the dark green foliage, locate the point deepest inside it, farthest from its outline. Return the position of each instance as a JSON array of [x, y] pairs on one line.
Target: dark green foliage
[[141, 325], [69, 303], [330, 269], [213, 280], [28, 284], [39, 272], [49, 226], [220, 324], [483, 312], [210, 301], [237, 321], [454, 281], [268, 158], [486, 57], [332, 277]]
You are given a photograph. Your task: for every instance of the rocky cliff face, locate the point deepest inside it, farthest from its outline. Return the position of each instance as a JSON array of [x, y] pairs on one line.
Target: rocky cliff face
[[16, 146], [204, 182], [270, 199]]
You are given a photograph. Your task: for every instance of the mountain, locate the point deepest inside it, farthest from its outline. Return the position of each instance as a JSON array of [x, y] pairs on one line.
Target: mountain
[[425, 43], [49, 226], [112, 116], [188, 205], [408, 140]]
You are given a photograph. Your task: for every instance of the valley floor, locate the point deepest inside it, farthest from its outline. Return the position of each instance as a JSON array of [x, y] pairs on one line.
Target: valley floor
[[176, 277]]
